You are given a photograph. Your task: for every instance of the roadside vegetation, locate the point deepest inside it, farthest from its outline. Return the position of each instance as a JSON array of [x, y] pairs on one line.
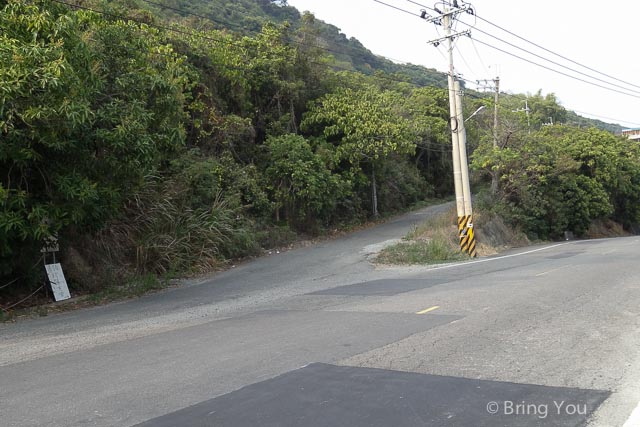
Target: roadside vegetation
[[153, 143], [553, 179], [435, 240], [147, 146]]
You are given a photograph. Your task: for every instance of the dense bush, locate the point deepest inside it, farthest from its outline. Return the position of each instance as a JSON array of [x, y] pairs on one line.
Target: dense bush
[[87, 108], [562, 179], [302, 186]]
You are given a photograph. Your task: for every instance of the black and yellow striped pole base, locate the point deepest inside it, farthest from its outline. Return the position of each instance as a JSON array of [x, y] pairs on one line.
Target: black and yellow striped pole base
[[467, 236]]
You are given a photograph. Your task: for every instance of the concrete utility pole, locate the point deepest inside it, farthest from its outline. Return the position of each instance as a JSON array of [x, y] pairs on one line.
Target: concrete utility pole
[[496, 86], [526, 110], [453, 114], [458, 133], [495, 112], [462, 144]]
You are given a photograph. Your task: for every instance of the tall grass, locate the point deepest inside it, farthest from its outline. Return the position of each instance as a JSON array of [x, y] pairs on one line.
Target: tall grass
[[161, 232]]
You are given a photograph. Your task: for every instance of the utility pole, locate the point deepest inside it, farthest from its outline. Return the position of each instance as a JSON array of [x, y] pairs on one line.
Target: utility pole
[[453, 114], [458, 134], [526, 110], [496, 86], [462, 143], [495, 112]]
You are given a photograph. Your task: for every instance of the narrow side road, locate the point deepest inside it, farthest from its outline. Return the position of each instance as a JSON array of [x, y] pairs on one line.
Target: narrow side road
[[240, 290]]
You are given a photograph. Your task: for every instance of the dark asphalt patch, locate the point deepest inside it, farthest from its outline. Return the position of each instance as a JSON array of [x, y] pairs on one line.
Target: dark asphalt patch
[[328, 395], [383, 287], [564, 255], [592, 241]]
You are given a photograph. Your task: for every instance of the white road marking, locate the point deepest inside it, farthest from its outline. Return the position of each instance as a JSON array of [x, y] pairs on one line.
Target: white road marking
[[498, 258], [634, 419]]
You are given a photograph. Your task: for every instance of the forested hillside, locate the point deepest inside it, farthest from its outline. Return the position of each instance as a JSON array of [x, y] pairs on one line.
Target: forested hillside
[[154, 147], [248, 16], [153, 141]]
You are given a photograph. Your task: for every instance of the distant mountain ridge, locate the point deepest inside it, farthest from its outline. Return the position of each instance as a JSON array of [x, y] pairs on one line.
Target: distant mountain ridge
[[248, 17]]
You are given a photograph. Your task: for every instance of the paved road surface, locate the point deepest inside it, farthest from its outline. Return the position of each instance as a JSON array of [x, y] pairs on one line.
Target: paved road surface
[[546, 335]]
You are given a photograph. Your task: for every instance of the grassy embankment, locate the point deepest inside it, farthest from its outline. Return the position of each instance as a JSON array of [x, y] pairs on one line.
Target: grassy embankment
[[435, 240]]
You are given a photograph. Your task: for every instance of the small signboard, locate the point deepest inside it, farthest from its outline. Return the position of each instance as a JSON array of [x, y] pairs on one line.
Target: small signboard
[[50, 245], [58, 282]]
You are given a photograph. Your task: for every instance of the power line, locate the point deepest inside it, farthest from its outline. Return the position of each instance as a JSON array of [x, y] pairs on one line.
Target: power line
[[465, 61], [313, 46], [556, 71], [397, 8], [549, 60], [394, 7], [334, 66], [557, 54], [421, 5], [208, 18], [534, 63], [545, 59], [539, 47], [618, 121], [230, 43], [552, 62], [475, 48], [540, 65]]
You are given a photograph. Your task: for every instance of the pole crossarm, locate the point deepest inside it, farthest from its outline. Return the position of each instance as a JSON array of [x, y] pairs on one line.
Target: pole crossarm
[[452, 13], [436, 42]]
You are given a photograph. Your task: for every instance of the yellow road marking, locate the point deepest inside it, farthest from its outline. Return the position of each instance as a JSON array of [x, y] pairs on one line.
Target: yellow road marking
[[551, 271], [425, 311]]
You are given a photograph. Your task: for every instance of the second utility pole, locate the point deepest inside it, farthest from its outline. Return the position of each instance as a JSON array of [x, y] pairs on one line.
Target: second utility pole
[[496, 86], [495, 112]]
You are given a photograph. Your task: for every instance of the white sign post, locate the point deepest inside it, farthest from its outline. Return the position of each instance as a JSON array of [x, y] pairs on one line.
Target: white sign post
[[57, 281], [54, 271]]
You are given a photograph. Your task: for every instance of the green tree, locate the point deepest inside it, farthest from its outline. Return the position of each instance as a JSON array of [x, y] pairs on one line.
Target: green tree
[[427, 109], [87, 107], [563, 178], [546, 109], [365, 125], [302, 185]]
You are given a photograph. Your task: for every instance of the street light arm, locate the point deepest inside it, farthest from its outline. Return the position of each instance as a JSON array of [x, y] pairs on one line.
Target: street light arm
[[482, 107]]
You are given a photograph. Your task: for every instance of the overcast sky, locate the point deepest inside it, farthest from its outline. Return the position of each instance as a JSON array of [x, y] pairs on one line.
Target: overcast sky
[[600, 35]]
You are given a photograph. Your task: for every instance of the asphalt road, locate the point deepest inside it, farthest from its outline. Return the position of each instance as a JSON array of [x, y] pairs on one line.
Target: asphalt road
[[547, 335]]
